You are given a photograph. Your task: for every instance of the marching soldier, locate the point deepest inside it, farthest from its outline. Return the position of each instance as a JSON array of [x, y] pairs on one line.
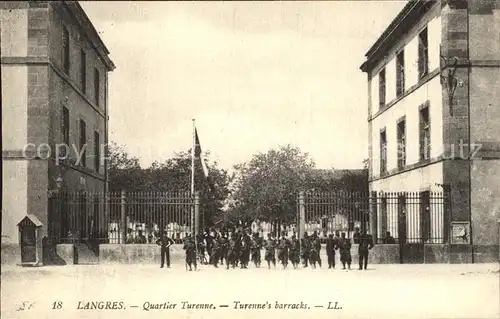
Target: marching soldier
[[209, 239], [294, 251], [331, 245], [223, 247], [317, 247], [270, 255], [190, 248], [200, 238], [345, 251], [216, 249], [306, 249], [365, 244], [245, 250], [232, 254], [164, 242], [283, 246], [255, 247]]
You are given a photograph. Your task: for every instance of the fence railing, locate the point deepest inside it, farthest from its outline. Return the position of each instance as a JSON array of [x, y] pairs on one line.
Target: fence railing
[[138, 217], [120, 217], [399, 217]]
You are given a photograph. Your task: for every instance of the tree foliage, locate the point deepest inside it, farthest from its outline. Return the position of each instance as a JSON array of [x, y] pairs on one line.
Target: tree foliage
[[267, 186]]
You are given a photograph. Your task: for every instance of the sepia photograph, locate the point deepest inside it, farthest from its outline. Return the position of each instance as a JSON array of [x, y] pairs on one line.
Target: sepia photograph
[[250, 159]]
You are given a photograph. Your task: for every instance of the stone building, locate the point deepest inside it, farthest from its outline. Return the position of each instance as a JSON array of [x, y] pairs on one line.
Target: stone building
[[54, 92], [433, 110]]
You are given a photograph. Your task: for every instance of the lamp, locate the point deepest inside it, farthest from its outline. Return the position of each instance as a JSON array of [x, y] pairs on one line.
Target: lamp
[[59, 183]]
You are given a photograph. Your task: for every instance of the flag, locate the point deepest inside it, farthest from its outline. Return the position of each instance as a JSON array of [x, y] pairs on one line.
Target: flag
[[198, 153]]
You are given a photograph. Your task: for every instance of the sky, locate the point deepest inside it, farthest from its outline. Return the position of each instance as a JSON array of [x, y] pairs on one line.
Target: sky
[[253, 75]]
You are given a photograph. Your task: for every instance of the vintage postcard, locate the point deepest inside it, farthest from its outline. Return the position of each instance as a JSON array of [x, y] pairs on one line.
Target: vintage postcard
[[250, 159]]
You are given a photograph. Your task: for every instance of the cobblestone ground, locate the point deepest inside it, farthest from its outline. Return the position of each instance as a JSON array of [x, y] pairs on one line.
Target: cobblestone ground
[[383, 291]]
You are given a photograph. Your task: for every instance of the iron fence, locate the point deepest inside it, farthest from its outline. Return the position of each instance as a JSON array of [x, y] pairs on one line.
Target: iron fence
[[119, 217], [391, 218], [137, 217]]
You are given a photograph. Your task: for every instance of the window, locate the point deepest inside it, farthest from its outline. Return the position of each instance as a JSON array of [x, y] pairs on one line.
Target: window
[[425, 216], [401, 127], [381, 88], [83, 143], [400, 73], [423, 54], [425, 137], [97, 85], [97, 155], [65, 48], [83, 70], [383, 152]]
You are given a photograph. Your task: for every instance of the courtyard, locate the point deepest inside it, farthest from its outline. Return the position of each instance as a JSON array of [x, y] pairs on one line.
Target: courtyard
[[146, 291]]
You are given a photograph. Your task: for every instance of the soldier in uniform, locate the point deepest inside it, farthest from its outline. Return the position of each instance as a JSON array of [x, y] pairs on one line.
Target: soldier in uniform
[[190, 248], [216, 249], [306, 249], [245, 250], [270, 255], [223, 247], [294, 251], [164, 242], [209, 239], [232, 254], [345, 251], [200, 238], [365, 244], [331, 245], [255, 247], [316, 242], [283, 247]]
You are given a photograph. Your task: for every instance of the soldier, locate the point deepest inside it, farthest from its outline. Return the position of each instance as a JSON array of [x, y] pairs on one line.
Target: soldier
[[223, 246], [270, 256], [164, 242], [317, 247], [214, 258], [345, 251], [232, 254], [365, 244], [208, 242], [331, 245], [283, 246], [190, 248], [294, 251], [200, 238], [245, 250], [306, 249], [255, 247]]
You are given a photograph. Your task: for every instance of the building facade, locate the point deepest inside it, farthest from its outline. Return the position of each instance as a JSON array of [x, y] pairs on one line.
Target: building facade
[[54, 113], [432, 112]]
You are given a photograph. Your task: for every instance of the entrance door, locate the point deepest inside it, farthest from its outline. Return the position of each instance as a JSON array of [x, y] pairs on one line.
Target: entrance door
[[28, 244]]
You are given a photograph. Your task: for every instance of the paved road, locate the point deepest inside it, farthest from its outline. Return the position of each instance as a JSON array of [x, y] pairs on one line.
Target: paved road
[[384, 291]]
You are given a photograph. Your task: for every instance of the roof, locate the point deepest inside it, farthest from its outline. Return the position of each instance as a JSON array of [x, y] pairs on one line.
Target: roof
[[88, 28], [30, 219], [399, 25]]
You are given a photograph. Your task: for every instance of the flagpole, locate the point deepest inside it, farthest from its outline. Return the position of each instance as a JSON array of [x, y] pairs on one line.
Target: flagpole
[[193, 150], [192, 159]]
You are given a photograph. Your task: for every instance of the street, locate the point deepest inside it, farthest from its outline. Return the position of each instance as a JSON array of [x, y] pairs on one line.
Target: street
[[146, 291]]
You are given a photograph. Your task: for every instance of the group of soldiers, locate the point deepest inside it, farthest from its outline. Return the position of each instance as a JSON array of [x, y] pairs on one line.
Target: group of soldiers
[[243, 247]]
